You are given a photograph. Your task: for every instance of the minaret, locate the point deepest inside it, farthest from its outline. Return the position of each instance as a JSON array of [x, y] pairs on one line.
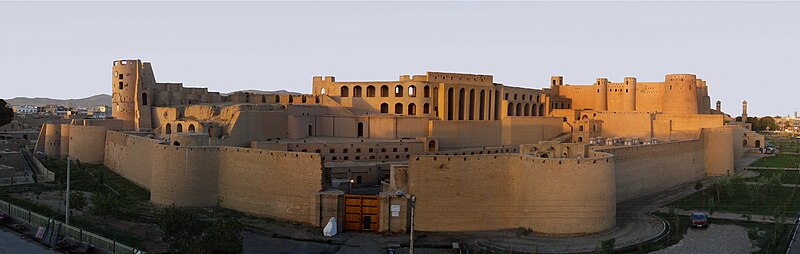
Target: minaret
[[719, 106], [744, 111]]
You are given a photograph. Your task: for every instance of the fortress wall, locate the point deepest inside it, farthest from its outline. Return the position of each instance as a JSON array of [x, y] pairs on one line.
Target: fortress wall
[[718, 146], [645, 169], [270, 183], [86, 143], [582, 95], [628, 125], [488, 192], [267, 183], [65, 137], [130, 156], [650, 97], [184, 176], [257, 125], [462, 134], [738, 137], [526, 130], [412, 127]]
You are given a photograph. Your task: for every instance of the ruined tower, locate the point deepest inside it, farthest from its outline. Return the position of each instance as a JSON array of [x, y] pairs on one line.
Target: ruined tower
[[744, 111], [601, 97], [719, 106], [680, 97], [123, 96]]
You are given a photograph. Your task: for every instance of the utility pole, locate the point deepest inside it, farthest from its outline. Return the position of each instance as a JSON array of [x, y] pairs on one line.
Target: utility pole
[[411, 236], [66, 219]]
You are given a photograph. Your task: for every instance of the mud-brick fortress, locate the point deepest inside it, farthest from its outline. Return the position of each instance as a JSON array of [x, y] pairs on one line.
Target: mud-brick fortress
[[475, 155]]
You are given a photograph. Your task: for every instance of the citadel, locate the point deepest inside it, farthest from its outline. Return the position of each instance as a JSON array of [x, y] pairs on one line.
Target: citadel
[[474, 154]]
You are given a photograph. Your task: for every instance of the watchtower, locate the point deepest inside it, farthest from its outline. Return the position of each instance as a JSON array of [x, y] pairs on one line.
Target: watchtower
[[601, 95], [680, 97], [124, 81]]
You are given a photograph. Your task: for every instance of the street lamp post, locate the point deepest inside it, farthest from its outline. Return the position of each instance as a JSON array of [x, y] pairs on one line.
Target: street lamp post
[[411, 234], [66, 219]]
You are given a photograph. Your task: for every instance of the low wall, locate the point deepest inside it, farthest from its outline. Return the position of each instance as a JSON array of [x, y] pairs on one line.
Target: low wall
[[267, 183], [488, 192]]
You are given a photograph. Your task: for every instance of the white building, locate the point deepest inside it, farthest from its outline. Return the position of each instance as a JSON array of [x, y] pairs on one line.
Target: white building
[[25, 109]]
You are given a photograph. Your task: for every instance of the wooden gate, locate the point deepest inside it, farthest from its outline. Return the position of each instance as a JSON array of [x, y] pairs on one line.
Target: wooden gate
[[361, 212]]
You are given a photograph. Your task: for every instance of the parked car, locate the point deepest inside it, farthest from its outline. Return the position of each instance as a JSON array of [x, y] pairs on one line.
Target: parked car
[[699, 220]]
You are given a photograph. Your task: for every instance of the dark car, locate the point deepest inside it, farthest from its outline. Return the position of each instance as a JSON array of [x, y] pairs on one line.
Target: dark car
[[699, 220]]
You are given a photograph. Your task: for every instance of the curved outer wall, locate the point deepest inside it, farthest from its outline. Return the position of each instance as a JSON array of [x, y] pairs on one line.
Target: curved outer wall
[[680, 97], [601, 96], [276, 184], [123, 95], [65, 138], [719, 148], [86, 143], [488, 192]]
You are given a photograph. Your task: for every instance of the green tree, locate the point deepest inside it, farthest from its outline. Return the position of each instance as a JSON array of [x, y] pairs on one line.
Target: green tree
[[77, 200], [6, 113], [107, 204], [185, 232]]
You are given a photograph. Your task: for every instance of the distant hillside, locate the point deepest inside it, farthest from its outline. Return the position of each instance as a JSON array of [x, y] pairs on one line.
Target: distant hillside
[[100, 99], [263, 92]]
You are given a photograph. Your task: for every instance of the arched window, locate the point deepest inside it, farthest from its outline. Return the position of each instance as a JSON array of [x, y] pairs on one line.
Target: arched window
[[322, 91], [247, 98], [461, 103], [384, 108], [515, 97], [398, 91], [580, 139], [584, 117], [371, 91], [505, 97], [527, 109], [168, 129], [472, 104], [345, 91], [482, 105], [426, 91], [523, 97], [450, 104], [510, 109], [580, 127], [426, 108], [191, 128], [562, 105], [310, 130], [384, 91], [594, 127], [541, 109], [412, 109], [316, 99], [291, 99], [758, 143], [144, 99], [357, 91], [303, 99], [360, 129], [180, 128], [398, 108], [412, 91], [120, 85], [263, 99], [278, 97], [519, 109], [431, 145]]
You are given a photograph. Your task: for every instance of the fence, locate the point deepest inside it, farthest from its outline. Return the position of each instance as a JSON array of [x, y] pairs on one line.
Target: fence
[[70, 231], [42, 173]]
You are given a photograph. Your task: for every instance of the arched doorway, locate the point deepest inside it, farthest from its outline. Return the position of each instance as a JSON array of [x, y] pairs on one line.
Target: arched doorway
[[310, 131], [191, 128], [758, 143], [431, 146], [360, 129], [168, 129], [180, 128]]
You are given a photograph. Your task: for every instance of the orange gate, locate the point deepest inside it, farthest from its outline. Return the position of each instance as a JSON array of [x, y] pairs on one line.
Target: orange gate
[[361, 212]]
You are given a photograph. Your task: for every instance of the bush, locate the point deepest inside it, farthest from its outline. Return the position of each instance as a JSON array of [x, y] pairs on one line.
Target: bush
[[186, 233], [77, 200], [107, 204]]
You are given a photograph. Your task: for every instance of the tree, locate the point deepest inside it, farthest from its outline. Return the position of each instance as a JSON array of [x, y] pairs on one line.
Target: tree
[[6, 113], [185, 232], [106, 204], [77, 200]]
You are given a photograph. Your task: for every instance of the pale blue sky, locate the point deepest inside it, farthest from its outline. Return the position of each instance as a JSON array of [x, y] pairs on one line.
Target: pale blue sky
[[744, 50]]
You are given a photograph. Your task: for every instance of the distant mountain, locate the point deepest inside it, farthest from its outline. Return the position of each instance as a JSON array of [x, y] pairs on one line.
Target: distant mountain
[[97, 100], [264, 92]]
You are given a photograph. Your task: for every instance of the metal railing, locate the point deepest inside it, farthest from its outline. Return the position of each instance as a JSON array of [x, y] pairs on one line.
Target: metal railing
[[38, 220], [792, 236]]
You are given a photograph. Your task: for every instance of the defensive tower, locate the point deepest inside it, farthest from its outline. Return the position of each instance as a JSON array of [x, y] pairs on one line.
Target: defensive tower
[[629, 99], [124, 81], [601, 97], [680, 97]]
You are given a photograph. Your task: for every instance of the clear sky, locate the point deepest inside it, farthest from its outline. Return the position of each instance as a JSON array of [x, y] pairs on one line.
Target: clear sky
[[745, 50]]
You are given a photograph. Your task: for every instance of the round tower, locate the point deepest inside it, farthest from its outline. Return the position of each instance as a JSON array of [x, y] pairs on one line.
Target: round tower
[[124, 79], [629, 99], [680, 97], [719, 106], [601, 95]]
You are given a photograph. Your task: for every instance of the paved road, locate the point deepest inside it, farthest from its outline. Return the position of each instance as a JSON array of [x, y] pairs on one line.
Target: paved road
[[716, 238], [12, 243]]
